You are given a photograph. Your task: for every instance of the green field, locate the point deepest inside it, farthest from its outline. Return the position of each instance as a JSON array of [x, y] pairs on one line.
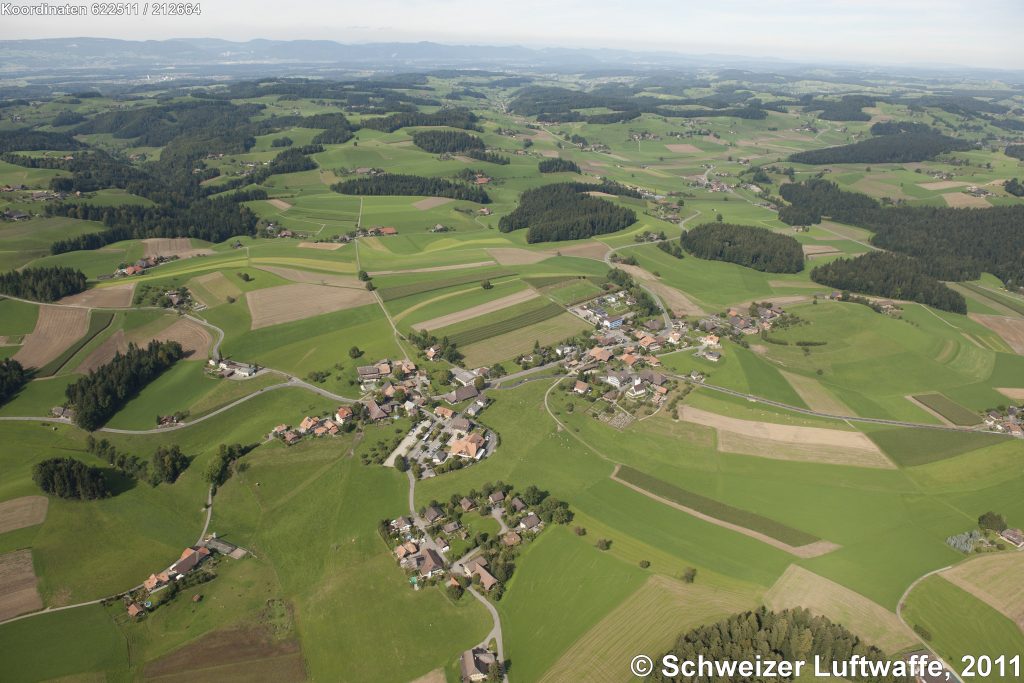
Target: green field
[[952, 411], [508, 321]]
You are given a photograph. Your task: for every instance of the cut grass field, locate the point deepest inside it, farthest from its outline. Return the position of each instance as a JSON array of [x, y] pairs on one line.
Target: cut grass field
[[389, 293], [18, 593], [716, 509], [914, 447], [22, 512], [494, 306], [462, 336], [56, 329], [960, 624], [288, 303], [870, 621], [99, 321], [995, 580]]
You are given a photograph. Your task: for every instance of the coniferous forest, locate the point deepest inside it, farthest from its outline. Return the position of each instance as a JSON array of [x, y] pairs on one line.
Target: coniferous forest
[[753, 247], [950, 244], [12, 378], [402, 184], [47, 283], [790, 635], [885, 149], [557, 166], [564, 212], [890, 275], [97, 396], [446, 141]]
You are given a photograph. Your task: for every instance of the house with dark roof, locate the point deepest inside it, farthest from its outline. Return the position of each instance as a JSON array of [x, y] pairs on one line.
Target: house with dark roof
[[432, 514], [461, 394], [432, 564], [530, 522], [475, 665]]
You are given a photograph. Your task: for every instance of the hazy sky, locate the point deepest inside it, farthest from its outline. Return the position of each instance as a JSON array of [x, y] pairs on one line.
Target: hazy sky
[[872, 31]]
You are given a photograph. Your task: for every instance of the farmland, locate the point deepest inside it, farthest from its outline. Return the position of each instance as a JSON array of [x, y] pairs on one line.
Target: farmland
[[820, 461]]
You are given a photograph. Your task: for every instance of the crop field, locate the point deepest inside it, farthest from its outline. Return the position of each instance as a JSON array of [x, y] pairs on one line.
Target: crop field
[[55, 331], [993, 579], [19, 513], [18, 592], [390, 293], [531, 316], [951, 410], [171, 246], [213, 288], [479, 310], [1010, 330], [118, 296]]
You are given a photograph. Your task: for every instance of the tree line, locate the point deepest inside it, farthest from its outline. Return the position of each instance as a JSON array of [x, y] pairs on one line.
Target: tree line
[[951, 244], [45, 283], [753, 247], [563, 211], [96, 397], [165, 465], [889, 275], [70, 479], [1015, 151], [387, 184], [791, 635]]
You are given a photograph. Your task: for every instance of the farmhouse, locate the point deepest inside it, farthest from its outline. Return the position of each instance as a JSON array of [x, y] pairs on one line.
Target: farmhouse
[[472, 446], [476, 664], [511, 539], [432, 514], [496, 497], [308, 424], [432, 564], [1014, 536], [189, 560], [466, 504], [401, 524], [342, 414], [451, 527], [461, 394], [602, 355], [581, 388], [444, 413], [531, 523]]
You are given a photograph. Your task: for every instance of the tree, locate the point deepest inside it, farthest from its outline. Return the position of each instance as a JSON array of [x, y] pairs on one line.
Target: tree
[[992, 521], [603, 544], [486, 284], [363, 275], [355, 352], [70, 479], [689, 575]]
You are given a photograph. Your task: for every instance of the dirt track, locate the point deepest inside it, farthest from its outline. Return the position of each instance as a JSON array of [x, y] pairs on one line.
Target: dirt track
[[56, 329], [476, 311], [22, 512], [287, 303], [18, 592]]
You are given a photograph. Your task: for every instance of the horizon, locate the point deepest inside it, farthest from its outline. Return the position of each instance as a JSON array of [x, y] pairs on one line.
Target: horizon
[[867, 33]]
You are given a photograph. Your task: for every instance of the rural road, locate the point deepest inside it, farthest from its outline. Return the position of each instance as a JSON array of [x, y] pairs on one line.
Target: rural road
[[899, 613]]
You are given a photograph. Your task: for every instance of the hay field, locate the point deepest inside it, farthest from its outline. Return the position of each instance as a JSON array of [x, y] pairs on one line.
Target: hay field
[[236, 654], [279, 204], [798, 587], [788, 442], [1011, 330], [286, 303], [818, 249], [195, 339], [590, 249], [18, 591], [171, 246], [996, 579], [942, 185], [218, 285], [513, 256], [674, 300], [649, 621], [56, 329], [479, 310], [118, 296], [431, 203], [815, 395], [1015, 393], [327, 246], [19, 513], [104, 353], [962, 200], [684, 149]]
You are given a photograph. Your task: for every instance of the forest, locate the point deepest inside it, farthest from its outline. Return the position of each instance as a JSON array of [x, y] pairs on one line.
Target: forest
[[889, 275], [791, 635], [557, 166], [753, 247], [564, 212], [12, 378], [1015, 151], [414, 185], [454, 118], [47, 283], [70, 479], [446, 141], [847, 108], [1014, 187], [951, 244], [104, 391], [885, 149]]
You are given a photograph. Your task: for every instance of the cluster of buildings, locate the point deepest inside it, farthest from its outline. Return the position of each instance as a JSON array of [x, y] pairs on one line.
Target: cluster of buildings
[[1010, 421], [314, 425], [610, 311], [229, 368]]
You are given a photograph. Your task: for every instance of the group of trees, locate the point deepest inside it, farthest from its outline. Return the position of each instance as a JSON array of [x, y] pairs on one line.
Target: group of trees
[[166, 464], [12, 378], [424, 340], [847, 108], [1015, 151], [402, 184], [558, 166], [47, 283], [1014, 187], [564, 211], [791, 635], [70, 478], [950, 244], [645, 306], [749, 246], [101, 393], [455, 117], [885, 149], [889, 275]]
